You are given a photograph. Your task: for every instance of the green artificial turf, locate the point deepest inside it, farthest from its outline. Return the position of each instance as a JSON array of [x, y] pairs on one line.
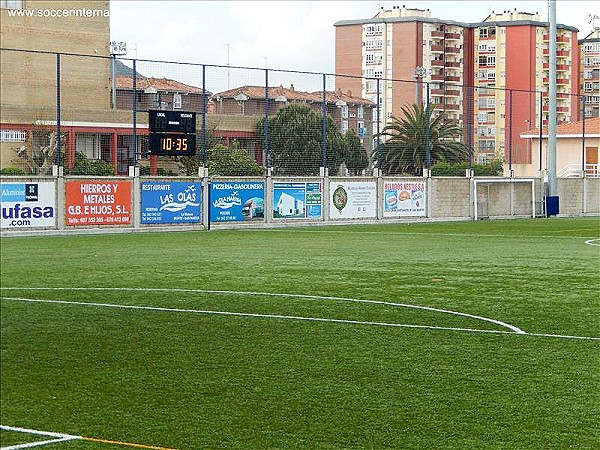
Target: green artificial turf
[[175, 378]]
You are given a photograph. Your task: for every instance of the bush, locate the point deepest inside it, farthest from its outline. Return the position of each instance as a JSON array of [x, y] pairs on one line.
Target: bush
[[445, 169], [12, 171], [84, 166]]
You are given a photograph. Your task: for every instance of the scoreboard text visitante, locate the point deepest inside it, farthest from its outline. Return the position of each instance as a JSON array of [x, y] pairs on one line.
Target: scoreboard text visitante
[[172, 133]]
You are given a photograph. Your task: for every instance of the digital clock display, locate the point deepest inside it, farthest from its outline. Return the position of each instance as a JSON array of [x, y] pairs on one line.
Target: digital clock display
[[172, 144]]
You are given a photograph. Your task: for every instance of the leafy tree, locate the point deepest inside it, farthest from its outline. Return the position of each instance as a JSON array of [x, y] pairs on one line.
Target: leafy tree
[[356, 157], [295, 141], [405, 150], [232, 161]]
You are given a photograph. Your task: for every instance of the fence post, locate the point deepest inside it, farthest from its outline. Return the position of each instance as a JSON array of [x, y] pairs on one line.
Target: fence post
[[510, 104], [203, 131], [378, 140], [583, 137], [134, 112], [427, 133], [58, 173], [324, 125], [267, 137], [541, 126], [58, 146]]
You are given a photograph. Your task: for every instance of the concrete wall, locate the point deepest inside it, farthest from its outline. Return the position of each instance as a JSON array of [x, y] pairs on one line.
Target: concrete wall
[[447, 199]]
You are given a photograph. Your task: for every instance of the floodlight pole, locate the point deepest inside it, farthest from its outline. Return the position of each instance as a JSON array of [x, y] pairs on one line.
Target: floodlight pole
[[552, 189]]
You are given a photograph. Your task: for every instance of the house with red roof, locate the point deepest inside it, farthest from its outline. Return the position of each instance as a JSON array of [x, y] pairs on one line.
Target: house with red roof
[[577, 146]]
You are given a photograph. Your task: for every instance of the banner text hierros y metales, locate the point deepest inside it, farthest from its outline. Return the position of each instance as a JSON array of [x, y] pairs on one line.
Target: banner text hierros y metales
[[93, 203]]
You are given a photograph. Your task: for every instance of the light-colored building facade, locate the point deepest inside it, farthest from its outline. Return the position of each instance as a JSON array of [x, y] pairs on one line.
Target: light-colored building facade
[[577, 145], [491, 76]]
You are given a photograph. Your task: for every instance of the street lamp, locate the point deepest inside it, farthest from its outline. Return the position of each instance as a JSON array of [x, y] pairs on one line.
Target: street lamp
[[420, 73]]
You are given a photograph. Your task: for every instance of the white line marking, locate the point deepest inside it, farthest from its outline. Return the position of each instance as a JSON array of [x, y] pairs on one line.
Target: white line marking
[[271, 294], [594, 242], [58, 437], [315, 319], [265, 316]]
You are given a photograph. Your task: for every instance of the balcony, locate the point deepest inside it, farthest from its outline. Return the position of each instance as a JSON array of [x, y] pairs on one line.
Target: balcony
[[447, 93], [435, 48], [437, 34], [561, 39], [561, 81], [452, 50], [438, 77], [559, 53], [559, 67], [447, 107], [558, 109], [454, 36], [452, 78], [437, 63], [452, 64]]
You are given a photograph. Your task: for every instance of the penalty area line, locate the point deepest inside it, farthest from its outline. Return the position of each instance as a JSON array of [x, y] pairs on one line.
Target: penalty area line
[[284, 317], [61, 437]]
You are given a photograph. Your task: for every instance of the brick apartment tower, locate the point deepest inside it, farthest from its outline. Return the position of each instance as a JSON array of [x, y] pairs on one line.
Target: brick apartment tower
[[477, 72]]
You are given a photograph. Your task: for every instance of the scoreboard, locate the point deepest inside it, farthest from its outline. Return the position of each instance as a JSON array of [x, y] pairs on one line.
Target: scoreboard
[[172, 133]]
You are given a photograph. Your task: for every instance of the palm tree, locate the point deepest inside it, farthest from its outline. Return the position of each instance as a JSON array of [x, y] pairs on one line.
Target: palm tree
[[405, 149]]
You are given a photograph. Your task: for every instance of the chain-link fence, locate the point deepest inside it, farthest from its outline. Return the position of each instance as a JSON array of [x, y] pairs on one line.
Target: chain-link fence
[[255, 121]]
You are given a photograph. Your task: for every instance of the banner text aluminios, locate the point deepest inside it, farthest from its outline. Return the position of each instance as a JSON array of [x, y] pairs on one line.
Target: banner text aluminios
[[28, 205]]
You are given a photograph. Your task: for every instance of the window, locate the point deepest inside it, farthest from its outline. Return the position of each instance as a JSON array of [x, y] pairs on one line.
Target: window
[[345, 112], [11, 4], [360, 111], [177, 101], [12, 136], [156, 100], [344, 126], [88, 144]]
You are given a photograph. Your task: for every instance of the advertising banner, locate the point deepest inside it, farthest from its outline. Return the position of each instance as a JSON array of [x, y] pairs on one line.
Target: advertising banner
[[28, 205], [404, 199], [297, 200], [237, 201], [97, 203], [353, 199], [171, 202]]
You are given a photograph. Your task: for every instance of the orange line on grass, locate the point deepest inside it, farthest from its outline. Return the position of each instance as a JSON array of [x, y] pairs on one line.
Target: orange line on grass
[[129, 444]]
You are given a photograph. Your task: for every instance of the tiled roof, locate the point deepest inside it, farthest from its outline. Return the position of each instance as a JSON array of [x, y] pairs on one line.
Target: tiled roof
[[592, 128], [290, 94], [160, 84]]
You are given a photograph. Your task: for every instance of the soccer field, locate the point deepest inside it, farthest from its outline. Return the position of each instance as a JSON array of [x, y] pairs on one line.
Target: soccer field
[[463, 335]]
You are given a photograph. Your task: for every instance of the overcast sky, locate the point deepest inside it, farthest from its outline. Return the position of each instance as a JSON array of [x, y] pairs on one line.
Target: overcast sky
[[290, 35]]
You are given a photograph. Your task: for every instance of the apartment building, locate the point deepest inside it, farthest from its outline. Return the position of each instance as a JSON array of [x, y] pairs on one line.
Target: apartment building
[[491, 76], [590, 73]]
